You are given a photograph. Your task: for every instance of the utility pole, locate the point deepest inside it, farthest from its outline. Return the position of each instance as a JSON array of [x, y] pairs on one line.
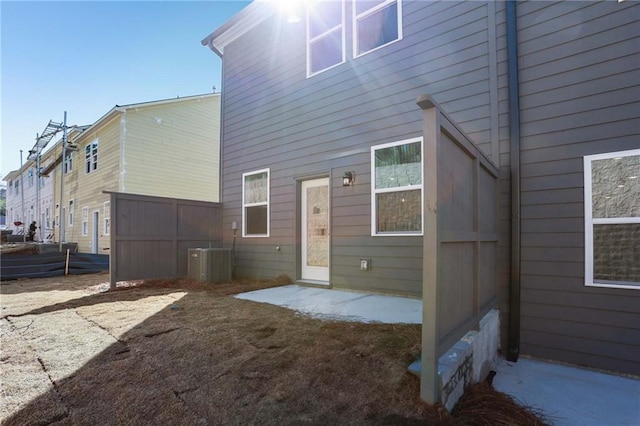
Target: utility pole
[[64, 158]]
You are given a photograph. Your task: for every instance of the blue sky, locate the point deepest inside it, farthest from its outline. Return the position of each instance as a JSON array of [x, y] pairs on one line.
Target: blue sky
[[84, 57]]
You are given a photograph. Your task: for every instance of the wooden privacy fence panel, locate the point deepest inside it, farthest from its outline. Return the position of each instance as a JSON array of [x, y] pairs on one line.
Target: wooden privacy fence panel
[[460, 239], [151, 236]]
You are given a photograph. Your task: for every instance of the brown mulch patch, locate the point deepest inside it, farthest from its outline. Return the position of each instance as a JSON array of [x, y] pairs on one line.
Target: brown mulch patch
[[208, 358]]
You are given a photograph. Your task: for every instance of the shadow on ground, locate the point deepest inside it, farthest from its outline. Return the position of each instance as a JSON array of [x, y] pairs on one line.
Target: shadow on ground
[[208, 358]]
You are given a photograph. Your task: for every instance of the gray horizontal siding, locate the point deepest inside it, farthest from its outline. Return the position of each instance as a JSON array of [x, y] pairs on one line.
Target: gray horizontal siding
[[325, 125], [579, 87]]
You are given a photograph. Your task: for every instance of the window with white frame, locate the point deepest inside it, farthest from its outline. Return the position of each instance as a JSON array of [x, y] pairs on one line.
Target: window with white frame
[[85, 221], [68, 162], [325, 35], [91, 157], [255, 203], [30, 178], [56, 220], [376, 23], [70, 212], [107, 218], [612, 219], [47, 218], [18, 185], [396, 196]]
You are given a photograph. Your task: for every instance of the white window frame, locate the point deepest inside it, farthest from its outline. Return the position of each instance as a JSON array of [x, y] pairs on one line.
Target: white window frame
[[374, 191], [106, 223], [267, 203], [91, 157], [85, 221], [30, 178], [589, 221], [68, 163], [47, 217], [70, 211], [309, 40], [356, 18]]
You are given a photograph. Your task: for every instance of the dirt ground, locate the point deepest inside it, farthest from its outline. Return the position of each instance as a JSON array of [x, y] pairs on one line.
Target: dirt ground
[[186, 353]]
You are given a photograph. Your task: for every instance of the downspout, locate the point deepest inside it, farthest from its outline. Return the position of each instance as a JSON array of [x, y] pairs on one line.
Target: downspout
[[514, 149]]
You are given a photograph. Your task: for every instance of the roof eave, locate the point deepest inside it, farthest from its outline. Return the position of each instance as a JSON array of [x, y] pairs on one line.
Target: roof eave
[[238, 25]]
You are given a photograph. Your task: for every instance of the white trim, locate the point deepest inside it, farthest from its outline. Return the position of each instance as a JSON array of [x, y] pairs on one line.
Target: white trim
[[340, 27], [106, 216], [589, 221], [375, 191], [254, 14], [92, 159], [267, 203], [354, 27], [95, 234], [70, 212], [318, 274], [615, 220], [85, 221]]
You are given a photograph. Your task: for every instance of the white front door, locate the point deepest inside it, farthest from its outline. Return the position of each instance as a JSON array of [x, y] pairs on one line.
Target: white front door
[[315, 230], [96, 232]]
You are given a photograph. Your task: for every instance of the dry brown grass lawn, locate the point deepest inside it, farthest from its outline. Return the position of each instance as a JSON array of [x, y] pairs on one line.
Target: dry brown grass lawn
[[200, 356]]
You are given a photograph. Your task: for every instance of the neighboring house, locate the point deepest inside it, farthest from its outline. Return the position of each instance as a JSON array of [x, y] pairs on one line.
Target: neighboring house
[[328, 93], [13, 203], [165, 148], [37, 192]]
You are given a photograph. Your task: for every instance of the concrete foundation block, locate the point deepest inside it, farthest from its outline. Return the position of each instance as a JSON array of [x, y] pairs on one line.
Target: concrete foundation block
[[468, 361]]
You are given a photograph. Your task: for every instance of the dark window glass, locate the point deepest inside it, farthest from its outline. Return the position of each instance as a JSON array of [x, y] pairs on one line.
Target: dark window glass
[[326, 51], [616, 252], [377, 29], [399, 211], [324, 16], [256, 218]]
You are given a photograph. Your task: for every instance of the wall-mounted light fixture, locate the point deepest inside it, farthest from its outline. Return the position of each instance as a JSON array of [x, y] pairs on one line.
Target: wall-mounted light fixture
[[348, 178]]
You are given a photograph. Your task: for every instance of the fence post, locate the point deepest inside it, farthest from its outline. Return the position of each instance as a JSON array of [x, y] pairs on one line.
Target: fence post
[[429, 380]]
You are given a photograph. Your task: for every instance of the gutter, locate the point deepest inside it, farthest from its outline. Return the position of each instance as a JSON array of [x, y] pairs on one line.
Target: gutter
[[513, 344]]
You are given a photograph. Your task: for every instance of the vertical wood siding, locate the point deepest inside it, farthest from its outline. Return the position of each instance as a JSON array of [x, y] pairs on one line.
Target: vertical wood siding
[[325, 125], [580, 95], [151, 236]]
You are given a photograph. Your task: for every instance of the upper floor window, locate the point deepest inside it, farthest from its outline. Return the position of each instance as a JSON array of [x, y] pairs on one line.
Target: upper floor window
[[68, 162], [396, 196], [255, 204], [612, 219], [376, 23], [325, 35], [30, 178], [18, 185], [91, 157]]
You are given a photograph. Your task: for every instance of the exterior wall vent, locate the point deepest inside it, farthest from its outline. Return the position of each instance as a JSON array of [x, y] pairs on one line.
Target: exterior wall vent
[[211, 265]]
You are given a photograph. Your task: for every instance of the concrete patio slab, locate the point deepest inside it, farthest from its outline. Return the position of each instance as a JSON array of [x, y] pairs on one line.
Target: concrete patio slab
[[341, 305], [571, 396]]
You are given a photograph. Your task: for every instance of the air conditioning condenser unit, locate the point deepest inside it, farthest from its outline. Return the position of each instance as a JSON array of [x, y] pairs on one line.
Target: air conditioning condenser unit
[[211, 265]]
